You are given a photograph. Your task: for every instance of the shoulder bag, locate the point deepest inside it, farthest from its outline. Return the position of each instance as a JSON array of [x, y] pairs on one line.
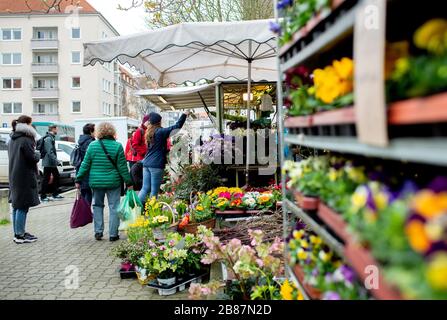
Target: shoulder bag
[[115, 165]]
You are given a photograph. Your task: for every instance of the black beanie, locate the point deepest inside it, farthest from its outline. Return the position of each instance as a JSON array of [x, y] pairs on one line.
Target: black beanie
[[154, 118]]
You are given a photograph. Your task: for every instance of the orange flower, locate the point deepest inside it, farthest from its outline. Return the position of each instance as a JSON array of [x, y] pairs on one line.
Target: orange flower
[[429, 204], [236, 202], [417, 236]]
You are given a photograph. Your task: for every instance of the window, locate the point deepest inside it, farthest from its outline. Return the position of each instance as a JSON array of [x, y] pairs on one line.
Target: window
[[4, 139], [76, 57], [76, 82], [45, 83], [45, 34], [107, 108], [45, 108], [12, 83], [12, 108], [11, 34], [76, 106], [11, 58], [76, 33], [106, 86], [103, 35]]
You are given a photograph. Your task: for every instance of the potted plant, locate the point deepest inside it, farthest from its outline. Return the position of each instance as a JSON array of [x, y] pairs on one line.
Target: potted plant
[[201, 213], [228, 200], [161, 217]]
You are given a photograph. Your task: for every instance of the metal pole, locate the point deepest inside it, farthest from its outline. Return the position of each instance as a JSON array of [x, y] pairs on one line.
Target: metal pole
[[219, 113], [247, 168]]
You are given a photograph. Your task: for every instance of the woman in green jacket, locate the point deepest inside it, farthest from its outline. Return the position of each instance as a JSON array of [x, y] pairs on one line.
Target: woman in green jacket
[[106, 175]]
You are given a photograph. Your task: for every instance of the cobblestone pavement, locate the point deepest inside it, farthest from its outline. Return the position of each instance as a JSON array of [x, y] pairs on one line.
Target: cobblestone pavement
[[38, 270]]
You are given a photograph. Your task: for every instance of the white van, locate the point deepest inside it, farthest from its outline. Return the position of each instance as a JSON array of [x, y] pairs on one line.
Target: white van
[[66, 171]]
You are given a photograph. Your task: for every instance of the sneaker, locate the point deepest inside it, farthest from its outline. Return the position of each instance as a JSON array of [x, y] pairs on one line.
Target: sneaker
[[44, 200], [23, 239], [30, 236], [58, 197], [116, 238], [98, 236]]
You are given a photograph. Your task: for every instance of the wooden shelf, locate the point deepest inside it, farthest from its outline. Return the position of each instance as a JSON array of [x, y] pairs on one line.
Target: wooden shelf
[[335, 222], [309, 27], [419, 150], [432, 109]]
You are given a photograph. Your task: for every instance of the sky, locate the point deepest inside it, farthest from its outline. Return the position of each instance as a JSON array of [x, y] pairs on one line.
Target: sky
[[125, 22]]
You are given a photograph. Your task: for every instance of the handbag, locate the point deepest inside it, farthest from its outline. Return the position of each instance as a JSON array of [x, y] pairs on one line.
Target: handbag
[[116, 167], [81, 214]]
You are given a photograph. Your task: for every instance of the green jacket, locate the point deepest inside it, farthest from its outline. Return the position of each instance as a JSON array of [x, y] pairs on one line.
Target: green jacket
[[102, 172]]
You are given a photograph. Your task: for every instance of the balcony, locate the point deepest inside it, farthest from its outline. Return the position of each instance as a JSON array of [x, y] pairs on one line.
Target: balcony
[[46, 68], [45, 93], [44, 44], [37, 117]]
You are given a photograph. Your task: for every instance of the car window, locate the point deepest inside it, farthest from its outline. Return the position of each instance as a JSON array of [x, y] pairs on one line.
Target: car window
[[4, 139]]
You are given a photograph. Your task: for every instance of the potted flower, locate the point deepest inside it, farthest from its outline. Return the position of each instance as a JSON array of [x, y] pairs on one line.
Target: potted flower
[[227, 200], [161, 217], [201, 213], [164, 261]]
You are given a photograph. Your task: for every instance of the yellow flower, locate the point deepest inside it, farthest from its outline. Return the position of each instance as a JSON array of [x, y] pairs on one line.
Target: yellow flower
[[434, 230], [304, 244], [430, 204], [311, 91], [235, 190], [436, 272], [264, 198], [417, 236], [344, 68], [199, 207], [301, 254], [359, 198], [381, 200], [325, 256], [298, 235], [300, 296], [286, 290], [315, 240], [432, 36], [333, 174]]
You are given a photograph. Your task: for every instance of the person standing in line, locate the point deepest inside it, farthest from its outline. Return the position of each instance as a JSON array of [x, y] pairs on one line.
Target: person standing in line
[[49, 164], [130, 152], [157, 150], [23, 192], [106, 164], [138, 143], [84, 141]]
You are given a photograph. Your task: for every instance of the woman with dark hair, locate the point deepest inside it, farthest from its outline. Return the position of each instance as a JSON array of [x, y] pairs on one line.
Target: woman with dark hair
[[156, 157], [84, 141], [23, 159]]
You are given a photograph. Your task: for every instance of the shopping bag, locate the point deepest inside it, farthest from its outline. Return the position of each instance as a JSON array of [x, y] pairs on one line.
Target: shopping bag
[[130, 206], [81, 214]]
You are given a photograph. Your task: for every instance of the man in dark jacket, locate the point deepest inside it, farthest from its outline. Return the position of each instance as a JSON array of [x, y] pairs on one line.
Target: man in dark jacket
[[84, 141], [23, 159], [49, 164]]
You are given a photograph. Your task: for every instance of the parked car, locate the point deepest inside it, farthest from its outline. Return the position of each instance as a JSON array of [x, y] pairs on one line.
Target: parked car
[[66, 171]]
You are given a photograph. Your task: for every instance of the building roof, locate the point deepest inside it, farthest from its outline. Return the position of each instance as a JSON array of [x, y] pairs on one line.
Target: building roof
[[39, 6]]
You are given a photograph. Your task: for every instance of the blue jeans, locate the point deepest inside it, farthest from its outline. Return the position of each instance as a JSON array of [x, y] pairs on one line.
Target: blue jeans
[[19, 221], [113, 196], [152, 178]]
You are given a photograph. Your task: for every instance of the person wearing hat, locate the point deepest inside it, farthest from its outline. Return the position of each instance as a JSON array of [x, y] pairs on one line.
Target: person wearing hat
[[155, 160], [138, 145]]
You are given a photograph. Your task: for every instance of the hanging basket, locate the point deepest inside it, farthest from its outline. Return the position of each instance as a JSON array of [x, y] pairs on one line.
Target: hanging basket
[[192, 227], [160, 233]]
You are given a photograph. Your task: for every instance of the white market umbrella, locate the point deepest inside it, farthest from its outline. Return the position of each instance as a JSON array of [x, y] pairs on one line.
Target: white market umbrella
[[241, 50]]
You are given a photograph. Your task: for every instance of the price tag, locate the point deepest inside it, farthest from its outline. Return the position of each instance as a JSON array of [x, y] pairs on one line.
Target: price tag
[[369, 55]]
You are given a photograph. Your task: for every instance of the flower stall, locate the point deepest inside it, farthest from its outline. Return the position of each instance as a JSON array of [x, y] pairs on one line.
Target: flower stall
[[364, 185]]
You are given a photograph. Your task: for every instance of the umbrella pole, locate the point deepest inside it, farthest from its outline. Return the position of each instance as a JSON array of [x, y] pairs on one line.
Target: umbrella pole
[[247, 168]]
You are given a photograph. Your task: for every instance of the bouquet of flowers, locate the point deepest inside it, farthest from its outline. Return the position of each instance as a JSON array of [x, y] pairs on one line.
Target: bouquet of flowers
[[227, 198]]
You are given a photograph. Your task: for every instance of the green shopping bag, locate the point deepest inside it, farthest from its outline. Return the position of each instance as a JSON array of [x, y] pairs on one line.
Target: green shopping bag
[[130, 207]]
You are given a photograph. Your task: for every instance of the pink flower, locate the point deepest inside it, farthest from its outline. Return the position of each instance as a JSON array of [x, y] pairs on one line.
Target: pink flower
[[225, 195], [154, 254], [259, 263], [162, 248], [238, 195], [171, 243]]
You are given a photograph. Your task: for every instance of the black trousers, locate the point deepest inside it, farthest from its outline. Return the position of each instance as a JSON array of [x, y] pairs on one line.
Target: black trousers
[[47, 172]]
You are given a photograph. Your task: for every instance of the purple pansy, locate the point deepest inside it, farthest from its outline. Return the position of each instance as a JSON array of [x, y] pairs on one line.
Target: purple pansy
[[438, 185], [331, 295]]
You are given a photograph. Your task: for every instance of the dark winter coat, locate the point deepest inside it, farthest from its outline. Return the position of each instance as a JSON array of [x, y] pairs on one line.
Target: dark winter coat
[[23, 159], [157, 152], [50, 154], [83, 142]]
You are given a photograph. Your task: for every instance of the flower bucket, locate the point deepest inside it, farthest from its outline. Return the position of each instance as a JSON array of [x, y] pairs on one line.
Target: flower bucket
[[192, 227], [334, 221], [160, 233], [361, 260], [306, 203], [166, 282]]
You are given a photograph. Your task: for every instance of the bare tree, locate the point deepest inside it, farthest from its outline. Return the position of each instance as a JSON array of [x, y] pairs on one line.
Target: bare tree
[[47, 6], [163, 13]]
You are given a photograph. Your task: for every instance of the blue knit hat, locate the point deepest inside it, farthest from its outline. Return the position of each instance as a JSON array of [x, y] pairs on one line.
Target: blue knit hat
[[154, 118]]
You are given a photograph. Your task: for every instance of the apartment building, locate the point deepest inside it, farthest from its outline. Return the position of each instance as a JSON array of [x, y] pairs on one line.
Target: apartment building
[[41, 64]]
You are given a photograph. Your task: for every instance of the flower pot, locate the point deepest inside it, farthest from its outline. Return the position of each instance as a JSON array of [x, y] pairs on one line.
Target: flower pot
[[228, 212], [362, 261], [334, 221], [192, 227], [312, 292], [166, 282], [167, 292], [306, 203]]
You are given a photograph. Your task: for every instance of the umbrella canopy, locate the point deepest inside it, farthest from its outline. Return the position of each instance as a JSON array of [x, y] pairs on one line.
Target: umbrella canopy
[[241, 50], [194, 51]]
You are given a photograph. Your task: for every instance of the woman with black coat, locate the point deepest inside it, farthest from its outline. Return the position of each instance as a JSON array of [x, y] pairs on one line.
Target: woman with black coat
[[23, 191]]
